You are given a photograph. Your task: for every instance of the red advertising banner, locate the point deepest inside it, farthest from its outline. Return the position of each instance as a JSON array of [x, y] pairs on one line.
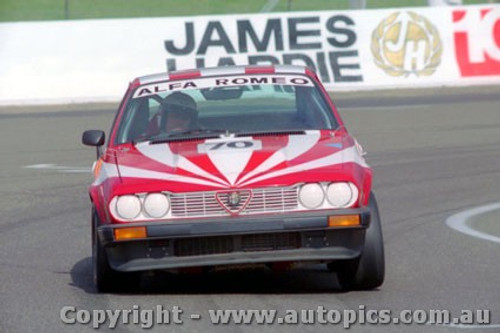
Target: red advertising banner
[[477, 41]]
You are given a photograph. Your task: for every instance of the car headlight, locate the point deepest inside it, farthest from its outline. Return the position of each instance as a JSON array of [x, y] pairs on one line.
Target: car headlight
[[311, 195], [156, 205], [128, 207], [341, 195]]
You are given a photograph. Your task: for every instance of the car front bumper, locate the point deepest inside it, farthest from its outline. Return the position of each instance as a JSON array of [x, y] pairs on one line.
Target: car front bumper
[[236, 240]]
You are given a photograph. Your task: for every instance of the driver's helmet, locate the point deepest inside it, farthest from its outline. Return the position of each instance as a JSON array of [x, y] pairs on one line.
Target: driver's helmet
[[180, 107]]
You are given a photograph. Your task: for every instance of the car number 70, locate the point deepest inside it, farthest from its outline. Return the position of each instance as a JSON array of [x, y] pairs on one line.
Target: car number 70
[[229, 145]]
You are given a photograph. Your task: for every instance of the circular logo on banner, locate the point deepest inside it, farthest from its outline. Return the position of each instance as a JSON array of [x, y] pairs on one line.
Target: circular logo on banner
[[406, 43]]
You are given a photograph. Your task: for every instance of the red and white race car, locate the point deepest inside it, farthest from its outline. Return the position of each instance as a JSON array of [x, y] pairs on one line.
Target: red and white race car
[[231, 166]]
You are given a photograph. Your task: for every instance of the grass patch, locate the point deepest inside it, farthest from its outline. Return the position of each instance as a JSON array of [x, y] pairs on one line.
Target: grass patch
[[35, 10]]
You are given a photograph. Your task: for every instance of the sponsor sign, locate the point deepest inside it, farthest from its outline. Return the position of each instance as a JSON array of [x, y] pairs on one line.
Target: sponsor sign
[[92, 60], [348, 49], [325, 41], [405, 43], [476, 33]]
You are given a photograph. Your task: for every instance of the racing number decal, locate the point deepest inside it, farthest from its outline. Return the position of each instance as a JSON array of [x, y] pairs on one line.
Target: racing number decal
[[233, 144], [240, 145]]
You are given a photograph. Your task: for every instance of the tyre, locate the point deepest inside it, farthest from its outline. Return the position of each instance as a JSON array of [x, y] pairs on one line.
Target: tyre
[[368, 270], [105, 278]]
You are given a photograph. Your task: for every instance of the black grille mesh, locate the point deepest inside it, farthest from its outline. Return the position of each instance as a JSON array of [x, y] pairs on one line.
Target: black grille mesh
[[226, 244], [268, 242], [203, 246]]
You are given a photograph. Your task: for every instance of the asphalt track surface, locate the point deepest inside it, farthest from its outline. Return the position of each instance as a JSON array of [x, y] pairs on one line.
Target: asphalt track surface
[[433, 155]]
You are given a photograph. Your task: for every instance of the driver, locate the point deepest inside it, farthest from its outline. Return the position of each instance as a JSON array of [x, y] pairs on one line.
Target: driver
[[179, 112]]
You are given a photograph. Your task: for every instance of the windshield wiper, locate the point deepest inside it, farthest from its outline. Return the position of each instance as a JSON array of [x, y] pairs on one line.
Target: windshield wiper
[[272, 132], [211, 133], [199, 133], [165, 137]]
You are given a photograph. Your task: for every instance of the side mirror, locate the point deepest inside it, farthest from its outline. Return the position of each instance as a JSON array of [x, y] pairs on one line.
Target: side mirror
[[94, 138]]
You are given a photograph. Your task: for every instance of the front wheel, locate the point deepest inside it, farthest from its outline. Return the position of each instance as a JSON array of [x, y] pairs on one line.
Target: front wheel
[[105, 278], [368, 270]]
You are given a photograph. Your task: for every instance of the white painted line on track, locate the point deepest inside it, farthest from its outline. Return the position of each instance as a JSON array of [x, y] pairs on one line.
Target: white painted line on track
[[39, 166], [459, 221], [58, 168]]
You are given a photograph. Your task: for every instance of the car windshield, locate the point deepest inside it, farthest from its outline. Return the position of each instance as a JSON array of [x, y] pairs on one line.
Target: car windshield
[[215, 105]]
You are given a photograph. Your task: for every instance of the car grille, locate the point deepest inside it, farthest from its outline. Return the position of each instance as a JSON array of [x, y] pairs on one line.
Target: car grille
[[196, 204], [203, 246], [271, 242], [263, 200], [226, 244], [272, 200]]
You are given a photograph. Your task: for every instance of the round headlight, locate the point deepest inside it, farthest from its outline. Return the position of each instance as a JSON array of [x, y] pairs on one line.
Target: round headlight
[[156, 205], [311, 195], [341, 194], [128, 207]]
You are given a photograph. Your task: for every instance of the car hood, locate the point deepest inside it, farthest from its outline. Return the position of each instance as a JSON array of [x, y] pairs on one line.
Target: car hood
[[238, 162]]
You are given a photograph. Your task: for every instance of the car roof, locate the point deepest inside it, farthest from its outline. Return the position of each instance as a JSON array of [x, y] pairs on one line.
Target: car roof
[[223, 70]]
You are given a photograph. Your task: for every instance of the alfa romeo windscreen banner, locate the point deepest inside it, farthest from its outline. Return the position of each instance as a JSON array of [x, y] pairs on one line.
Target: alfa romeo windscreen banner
[[350, 50]]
